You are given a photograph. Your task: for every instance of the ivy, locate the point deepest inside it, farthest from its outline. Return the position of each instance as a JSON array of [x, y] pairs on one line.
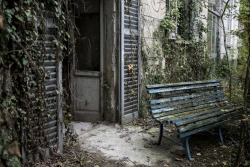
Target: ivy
[[22, 51]]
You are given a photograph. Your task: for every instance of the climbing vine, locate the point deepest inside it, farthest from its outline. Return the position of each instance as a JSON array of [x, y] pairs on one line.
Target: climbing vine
[[23, 75], [183, 59]]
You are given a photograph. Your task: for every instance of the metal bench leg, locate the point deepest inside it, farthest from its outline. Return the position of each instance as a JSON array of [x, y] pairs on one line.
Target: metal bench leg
[[161, 132], [221, 137], [187, 149]]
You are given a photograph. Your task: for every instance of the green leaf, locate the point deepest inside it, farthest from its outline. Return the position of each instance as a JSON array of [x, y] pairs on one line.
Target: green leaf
[[25, 62], [20, 18], [4, 104], [28, 13]]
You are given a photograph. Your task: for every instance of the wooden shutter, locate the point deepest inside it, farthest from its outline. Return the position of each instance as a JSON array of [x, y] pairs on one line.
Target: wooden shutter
[[130, 59], [52, 116], [53, 65]]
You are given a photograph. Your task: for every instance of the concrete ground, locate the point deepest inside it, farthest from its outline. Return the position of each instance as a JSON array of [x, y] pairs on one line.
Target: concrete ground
[[130, 144]]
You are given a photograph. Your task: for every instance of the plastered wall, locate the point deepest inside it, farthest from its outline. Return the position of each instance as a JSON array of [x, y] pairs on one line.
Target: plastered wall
[[110, 75], [153, 11]]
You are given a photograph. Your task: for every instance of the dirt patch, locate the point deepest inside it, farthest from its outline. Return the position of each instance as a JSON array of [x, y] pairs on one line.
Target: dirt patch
[[132, 144], [111, 145], [74, 156]]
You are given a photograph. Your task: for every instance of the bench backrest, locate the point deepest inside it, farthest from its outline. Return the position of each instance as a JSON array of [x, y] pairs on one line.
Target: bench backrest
[[180, 96]]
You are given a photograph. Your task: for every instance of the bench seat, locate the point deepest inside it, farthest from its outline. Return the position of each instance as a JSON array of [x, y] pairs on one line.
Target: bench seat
[[192, 107]]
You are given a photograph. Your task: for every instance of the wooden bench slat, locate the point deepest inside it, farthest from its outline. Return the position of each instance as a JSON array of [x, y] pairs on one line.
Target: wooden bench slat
[[188, 92], [186, 105], [203, 129], [198, 108], [187, 114], [218, 98], [179, 84], [195, 102], [221, 115], [207, 99], [172, 99], [192, 114], [183, 88], [206, 116]]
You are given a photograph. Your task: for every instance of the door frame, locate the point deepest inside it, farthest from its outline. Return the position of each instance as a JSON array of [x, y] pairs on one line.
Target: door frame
[[75, 72]]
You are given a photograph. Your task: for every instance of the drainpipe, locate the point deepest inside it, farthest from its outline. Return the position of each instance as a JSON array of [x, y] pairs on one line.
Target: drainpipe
[[119, 59]]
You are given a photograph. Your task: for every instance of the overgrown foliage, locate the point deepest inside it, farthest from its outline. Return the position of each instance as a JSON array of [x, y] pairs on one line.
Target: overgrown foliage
[[22, 55], [244, 17], [180, 60]]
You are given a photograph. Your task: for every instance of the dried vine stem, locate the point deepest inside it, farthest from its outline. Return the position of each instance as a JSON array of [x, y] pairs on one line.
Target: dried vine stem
[[32, 64]]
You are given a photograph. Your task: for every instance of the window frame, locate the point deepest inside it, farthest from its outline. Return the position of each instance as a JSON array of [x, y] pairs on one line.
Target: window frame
[[213, 49]]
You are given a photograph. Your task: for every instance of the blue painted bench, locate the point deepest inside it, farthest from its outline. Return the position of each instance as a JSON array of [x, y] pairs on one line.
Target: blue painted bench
[[192, 107]]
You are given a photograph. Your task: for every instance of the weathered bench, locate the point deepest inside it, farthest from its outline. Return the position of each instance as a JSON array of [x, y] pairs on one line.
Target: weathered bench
[[192, 107]]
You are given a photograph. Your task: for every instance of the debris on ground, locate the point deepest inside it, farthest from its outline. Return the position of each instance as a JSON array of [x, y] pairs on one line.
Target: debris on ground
[[135, 144]]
